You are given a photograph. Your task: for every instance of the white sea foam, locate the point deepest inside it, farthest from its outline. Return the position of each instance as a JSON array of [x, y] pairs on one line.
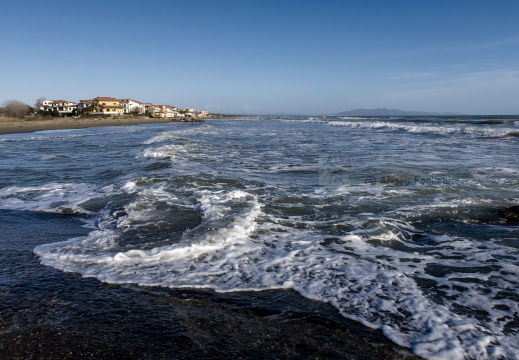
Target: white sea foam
[[498, 170], [169, 151], [51, 197], [167, 135], [178, 133], [50, 136], [67, 134], [439, 129], [308, 120], [239, 247], [396, 258], [94, 255]]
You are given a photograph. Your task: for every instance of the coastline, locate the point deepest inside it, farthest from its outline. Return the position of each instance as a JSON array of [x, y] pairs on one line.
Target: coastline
[[28, 125], [47, 313]]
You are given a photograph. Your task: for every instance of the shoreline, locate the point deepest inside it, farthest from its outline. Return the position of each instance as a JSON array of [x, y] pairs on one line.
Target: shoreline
[[47, 313], [20, 126]]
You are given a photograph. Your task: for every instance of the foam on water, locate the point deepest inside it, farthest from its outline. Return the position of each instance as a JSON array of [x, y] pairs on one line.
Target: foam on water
[[66, 134], [354, 118], [51, 136], [168, 135], [249, 207], [440, 129], [96, 255], [52, 197], [239, 247]]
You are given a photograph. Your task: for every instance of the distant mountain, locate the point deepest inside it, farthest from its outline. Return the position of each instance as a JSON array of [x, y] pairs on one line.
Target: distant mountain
[[387, 112]]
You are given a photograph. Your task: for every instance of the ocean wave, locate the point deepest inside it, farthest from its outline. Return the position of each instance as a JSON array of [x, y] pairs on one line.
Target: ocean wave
[[236, 206], [308, 120], [179, 133], [51, 136], [238, 247], [64, 198], [439, 129], [65, 134], [360, 118]]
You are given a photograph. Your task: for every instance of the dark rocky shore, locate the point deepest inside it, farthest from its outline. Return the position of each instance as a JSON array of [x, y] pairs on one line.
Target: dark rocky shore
[[49, 314], [510, 215]]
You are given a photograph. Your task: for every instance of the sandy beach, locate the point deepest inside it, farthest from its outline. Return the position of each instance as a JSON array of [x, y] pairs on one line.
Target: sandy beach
[[28, 125]]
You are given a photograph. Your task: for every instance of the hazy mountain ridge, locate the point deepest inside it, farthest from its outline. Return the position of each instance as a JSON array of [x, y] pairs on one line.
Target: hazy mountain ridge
[[387, 112]]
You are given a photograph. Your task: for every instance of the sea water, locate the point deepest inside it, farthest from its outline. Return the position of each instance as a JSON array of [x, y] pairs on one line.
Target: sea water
[[392, 220]]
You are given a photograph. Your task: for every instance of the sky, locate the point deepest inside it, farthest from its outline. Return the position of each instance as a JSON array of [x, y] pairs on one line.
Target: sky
[[268, 56]]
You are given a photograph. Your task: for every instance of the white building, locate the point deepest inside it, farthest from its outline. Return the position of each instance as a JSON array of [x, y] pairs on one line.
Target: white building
[[166, 111], [61, 107], [132, 106], [83, 104]]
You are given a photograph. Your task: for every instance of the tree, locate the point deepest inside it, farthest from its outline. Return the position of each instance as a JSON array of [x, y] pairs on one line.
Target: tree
[[39, 103], [15, 108], [135, 111]]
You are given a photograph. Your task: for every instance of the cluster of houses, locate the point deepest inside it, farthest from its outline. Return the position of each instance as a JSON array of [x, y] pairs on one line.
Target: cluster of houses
[[108, 106]]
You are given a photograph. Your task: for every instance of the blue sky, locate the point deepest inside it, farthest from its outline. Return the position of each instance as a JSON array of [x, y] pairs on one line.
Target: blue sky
[[290, 56]]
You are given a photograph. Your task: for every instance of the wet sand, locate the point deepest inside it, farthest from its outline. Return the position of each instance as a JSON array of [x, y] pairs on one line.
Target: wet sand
[[28, 125], [46, 313]]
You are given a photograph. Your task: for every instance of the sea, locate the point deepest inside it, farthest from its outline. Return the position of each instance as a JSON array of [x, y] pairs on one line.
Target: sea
[[394, 221]]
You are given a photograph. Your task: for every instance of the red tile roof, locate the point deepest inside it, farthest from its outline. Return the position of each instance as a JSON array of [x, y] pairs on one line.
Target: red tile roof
[[102, 98]]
